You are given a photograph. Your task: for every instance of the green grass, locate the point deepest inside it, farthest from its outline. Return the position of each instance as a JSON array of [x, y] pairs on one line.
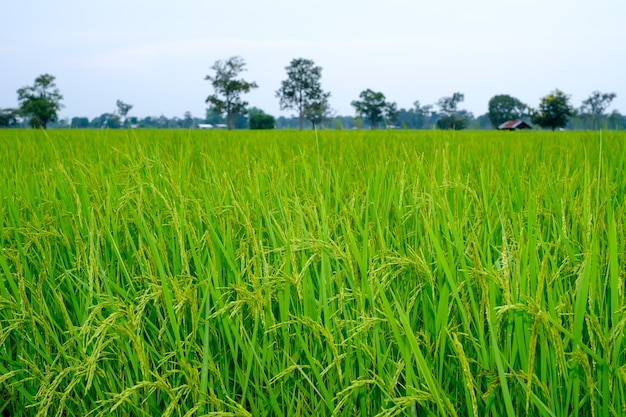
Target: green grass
[[278, 273]]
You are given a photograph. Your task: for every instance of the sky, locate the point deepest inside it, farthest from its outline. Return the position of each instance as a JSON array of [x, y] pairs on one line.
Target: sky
[[155, 54]]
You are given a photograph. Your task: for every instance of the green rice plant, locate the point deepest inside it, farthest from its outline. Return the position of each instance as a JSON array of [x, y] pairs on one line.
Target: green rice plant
[[192, 273]]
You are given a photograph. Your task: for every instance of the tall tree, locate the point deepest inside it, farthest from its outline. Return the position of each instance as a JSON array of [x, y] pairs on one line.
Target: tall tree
[[554, 110], [596, 105], [123, 109], [302, 91], [375, 108], [317, 112], [449, 105], [41, 101], [452, 118], [423, 114], [228, 89], [187, 120], [503, 108]]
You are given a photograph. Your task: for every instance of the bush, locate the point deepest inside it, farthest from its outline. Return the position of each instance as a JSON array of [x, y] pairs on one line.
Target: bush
[[261, 121], [452, 123]]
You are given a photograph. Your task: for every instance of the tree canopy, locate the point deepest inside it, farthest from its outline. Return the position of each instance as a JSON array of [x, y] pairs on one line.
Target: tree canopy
[[123, 109], [596, 105], [302, 91], [8, 117], [452, 118], [41, 101], [259, 120], [375, 108], [228, 89], [503, 108], [554, 110]]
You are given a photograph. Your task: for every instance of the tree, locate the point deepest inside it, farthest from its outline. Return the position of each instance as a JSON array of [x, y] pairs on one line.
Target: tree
[[596, 105], [407, 118], [228, 89], [503, 108], [106, 120], [79, 123], [451, 122], [188, 121], [259, 120], [482, 122], [41, 101], [302, 91], [423, 113], [417, 117], [123, 109], [318, 112], [448, 105], [8, 117], [452, 118], [213, 116], [615, 120], [554, 110], [374, 108]]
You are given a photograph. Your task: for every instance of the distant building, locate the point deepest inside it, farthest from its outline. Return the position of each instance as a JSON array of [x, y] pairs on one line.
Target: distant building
[[514, 125], [210, 126]]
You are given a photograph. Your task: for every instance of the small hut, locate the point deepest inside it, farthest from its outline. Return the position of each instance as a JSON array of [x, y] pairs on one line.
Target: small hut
[[514, 125]]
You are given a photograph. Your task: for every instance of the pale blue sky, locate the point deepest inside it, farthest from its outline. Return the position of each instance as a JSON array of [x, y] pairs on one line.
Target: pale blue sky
[[155, 54]]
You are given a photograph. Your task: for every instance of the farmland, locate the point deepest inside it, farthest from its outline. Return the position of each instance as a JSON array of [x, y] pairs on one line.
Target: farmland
[[189, 273]]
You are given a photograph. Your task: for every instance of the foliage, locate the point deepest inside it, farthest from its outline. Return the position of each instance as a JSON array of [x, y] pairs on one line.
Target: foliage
[[123, 109], [503, 108], [449, 105], [616, 121], [452, 117], [482, 122], [106, 121], [595, 106], [8, 117], [188, 120], [375, 108], [302, 91], [424, 114], [451, 122], [160, 122], [213, 116], [41, 101], [318, 112], [259, 120], [597, 103], [79, 123], [417, 117], [282, 273], [228, 89], [554, 111]]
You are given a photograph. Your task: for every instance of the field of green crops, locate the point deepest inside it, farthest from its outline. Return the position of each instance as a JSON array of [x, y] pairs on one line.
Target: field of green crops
[[176, 273]]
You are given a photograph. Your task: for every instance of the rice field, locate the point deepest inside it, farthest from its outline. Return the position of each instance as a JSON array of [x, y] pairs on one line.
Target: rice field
[[387, 273]]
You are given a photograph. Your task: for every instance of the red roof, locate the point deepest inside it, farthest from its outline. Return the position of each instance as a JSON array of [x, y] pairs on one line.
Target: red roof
[[514, 124]]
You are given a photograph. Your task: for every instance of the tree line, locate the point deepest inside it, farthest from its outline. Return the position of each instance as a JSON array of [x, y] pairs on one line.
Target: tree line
[[301, 91]]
